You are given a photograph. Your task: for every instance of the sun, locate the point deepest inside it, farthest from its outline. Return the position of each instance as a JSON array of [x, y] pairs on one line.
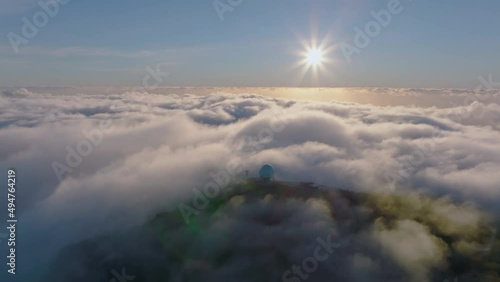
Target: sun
[[314, 57]]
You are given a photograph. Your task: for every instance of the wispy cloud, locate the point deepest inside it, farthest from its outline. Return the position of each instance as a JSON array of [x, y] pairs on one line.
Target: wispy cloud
[[77, 51], [17, 6]]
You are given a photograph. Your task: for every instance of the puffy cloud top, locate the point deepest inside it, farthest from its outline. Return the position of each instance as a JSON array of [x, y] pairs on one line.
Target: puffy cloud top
[[94, 162]]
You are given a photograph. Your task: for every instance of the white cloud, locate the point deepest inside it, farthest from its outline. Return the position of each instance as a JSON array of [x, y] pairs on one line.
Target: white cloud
[[413, 247], [18, 6], [162, 146], [76, 51]]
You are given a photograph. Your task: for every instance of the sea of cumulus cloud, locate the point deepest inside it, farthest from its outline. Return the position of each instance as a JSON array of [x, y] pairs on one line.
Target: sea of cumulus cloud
[[155, 148], [264, 235]]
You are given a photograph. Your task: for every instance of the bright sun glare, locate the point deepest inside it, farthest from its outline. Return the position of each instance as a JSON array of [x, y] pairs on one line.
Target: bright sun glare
[[314, 57]]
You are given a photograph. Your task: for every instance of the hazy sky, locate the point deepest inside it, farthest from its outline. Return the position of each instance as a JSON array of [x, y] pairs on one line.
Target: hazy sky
[[439, 43]]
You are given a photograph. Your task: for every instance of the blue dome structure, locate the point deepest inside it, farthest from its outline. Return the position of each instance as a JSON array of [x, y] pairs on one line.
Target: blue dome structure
[[266, 172]]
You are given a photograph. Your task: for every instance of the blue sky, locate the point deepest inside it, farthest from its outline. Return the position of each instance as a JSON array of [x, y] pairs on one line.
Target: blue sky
[[439, 43]]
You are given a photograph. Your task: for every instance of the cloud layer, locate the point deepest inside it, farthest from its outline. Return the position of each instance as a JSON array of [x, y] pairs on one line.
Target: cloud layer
[[144, 152]]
